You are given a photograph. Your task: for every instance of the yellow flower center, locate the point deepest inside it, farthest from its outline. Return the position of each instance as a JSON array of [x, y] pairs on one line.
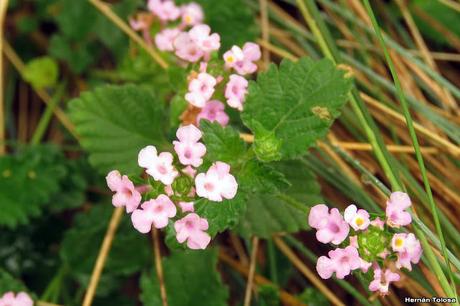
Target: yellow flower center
[[359, 221], [399, 242], [230, 59], [188, 19]]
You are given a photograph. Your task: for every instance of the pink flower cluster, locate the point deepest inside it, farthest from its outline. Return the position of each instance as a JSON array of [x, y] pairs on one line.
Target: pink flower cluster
[[216, 184], [371, 243], [193, 42], [21, 299]]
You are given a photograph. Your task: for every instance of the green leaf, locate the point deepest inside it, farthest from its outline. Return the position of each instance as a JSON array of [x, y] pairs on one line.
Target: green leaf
[[27, 182], [232, 19], [41, 72], [129, 254], [222, 215], [311, 296], [267, 214], [262, 178], [222, 144], [297, 102], [191, 279], [115, 122], [9, 283]]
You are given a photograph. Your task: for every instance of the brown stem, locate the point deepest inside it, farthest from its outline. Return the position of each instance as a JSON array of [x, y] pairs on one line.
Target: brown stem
[[158, 265], [3, 8], [102, 257], [284, 248], [252, 270]]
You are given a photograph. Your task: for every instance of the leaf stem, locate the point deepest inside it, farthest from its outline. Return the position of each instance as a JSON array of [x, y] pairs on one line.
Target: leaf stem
[[159, 266], [3, 9], [252, 270]]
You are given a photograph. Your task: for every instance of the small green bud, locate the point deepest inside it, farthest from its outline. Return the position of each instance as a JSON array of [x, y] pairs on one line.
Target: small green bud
[[266, 145], [182, 185], [372, 242]]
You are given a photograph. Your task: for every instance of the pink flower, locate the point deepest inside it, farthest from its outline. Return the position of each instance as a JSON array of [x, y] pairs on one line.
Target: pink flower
[[201, 89], [190, 171], [186, 48], [214, 110], [21, 299], [382, 281], [358, 219], [158, 166], [165, 10], [217, 183], [164, 40], [187, 206], [189, 150], [125, 192], [154, 212], [408, 248], [192, 228], [201, 35], [192, 14], [340, 261], [235, 91], [330, 226], [242, 60], [377, 222], [395, 211]]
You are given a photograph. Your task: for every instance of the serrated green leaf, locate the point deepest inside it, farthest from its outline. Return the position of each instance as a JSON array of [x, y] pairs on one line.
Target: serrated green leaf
[[27, 182], [262, 178], [298, 102], [115, 122], [222, 143], [232, 19], [41, 72], [191, 279], [129, 254], [222, 215], [269, 214]]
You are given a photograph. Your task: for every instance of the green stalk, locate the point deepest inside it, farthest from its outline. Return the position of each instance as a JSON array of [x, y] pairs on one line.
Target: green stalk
[[312, 17], [418, 153], [47, 115]]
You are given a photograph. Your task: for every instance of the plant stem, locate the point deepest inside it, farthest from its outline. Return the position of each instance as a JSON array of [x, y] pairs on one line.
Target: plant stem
[[418, 154], [47, 115], [252, 270], [159, 266], [3, 9], [102, 257]]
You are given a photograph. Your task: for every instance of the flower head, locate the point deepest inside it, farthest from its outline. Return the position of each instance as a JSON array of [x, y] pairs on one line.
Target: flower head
[[192, 228], [158, 166], [164, 40], [189, 150], [382, 280], [125, 192], [164, 9], [217, 183], [340, 261], [187, 206], [408, 248], [154, 212], [192, 14], [186, 48], [235, 91], [358, 219], [201, 35], [201, 89], [242, 60], [21, 299], [331, 227], [214, 110], [396, 209]]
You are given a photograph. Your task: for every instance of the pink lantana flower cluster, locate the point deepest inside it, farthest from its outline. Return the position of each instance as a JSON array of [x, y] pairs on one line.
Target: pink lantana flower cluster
[[184, 33], [176, 186], [20, 299], [376, 245]]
